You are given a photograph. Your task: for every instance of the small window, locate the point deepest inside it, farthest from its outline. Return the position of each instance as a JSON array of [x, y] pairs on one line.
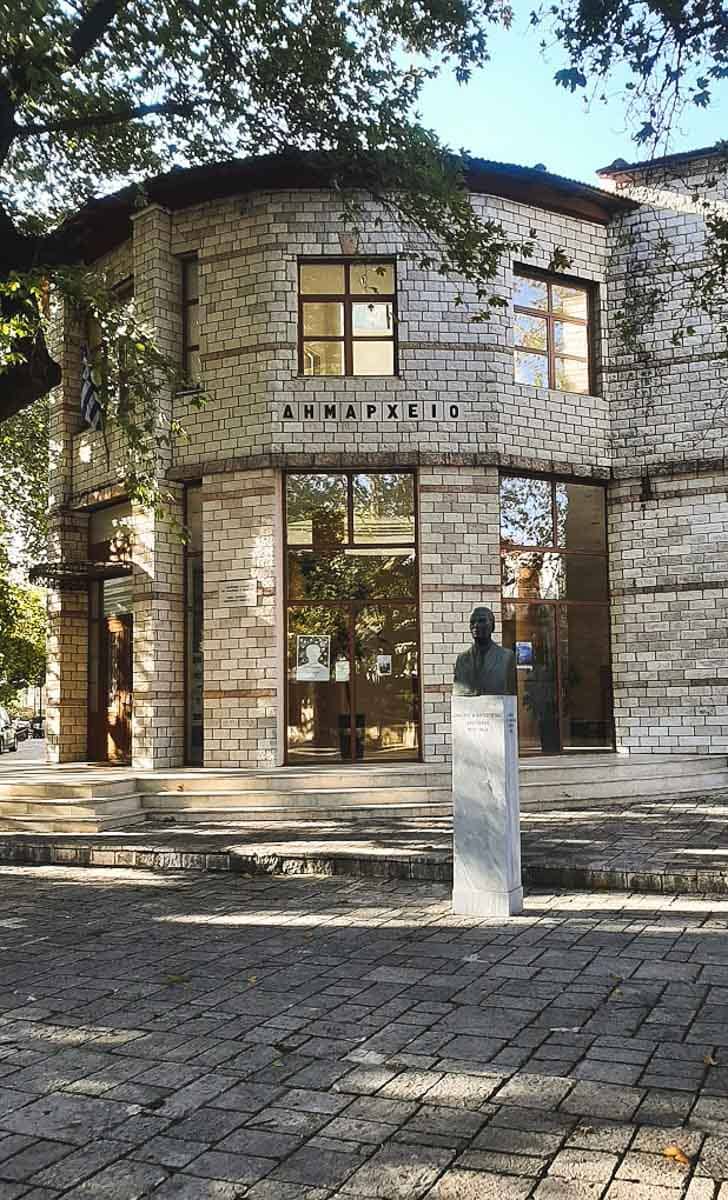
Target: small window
[[190, 321], [551, 333], [347, 317]]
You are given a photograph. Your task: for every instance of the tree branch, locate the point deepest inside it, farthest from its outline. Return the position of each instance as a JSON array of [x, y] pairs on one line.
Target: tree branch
[[169, 109], [93, 27]]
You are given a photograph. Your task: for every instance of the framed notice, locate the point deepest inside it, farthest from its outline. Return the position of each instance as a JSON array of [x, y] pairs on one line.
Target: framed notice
[[313, 657], [384, 664], [524, 655]]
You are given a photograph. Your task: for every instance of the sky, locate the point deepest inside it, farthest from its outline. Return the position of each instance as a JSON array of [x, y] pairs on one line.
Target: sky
[[512, 111]]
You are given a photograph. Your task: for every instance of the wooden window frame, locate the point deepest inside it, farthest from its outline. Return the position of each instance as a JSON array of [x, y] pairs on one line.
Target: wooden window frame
[[347, 298], [551, 317]]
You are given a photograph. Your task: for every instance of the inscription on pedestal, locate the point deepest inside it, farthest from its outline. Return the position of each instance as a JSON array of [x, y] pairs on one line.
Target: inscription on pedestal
[[486, 812]]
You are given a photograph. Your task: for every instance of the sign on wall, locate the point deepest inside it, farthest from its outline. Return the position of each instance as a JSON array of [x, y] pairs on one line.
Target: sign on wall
[[319, 412], [242, 592]]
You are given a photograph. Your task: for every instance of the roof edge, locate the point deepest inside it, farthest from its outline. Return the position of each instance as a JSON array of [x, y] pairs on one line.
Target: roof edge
[[621, 167]]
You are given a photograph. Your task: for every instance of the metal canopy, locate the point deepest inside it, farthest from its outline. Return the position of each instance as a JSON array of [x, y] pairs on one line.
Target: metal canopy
[[74, 576]]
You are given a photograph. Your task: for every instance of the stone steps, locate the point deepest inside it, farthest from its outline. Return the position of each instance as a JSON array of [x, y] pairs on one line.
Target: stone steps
[[94, 800]]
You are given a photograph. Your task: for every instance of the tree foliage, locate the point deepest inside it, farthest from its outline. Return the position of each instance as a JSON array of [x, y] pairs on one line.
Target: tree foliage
[[23, 625]]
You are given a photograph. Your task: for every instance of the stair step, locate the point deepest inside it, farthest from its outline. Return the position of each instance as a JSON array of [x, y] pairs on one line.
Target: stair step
[[657, 785], [333, 798], [96, 809], [249, 814], [283, 781]]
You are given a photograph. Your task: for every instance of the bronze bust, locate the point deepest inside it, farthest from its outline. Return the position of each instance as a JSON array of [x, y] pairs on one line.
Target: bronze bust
[[486, 669]]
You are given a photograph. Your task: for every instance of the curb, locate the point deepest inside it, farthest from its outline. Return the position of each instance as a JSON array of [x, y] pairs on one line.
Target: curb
[[415, 868]]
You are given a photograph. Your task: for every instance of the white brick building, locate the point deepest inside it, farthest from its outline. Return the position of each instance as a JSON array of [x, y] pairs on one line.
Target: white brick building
[[369, 464]]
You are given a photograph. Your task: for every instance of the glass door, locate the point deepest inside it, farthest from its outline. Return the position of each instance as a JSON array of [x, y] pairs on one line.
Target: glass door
[[352, 620], [556, 611]]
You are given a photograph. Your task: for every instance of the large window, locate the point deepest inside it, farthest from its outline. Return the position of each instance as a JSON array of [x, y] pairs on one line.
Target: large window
[[556, 612], [352, 619], [346, 317], [551, 332]]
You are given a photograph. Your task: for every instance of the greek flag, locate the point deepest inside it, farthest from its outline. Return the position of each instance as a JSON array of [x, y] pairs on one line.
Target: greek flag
[[91, 414]]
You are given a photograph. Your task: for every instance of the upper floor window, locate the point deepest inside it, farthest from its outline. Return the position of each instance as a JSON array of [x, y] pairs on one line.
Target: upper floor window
[[346, 317], [551, 332], [190, 321]]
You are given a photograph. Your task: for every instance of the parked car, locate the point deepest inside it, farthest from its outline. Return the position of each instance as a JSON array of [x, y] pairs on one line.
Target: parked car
[[37, 727], [8, 738], [22, 729]]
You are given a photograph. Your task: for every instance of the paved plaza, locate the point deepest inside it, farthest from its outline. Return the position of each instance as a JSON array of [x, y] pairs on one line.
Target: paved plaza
[[211, 1036]]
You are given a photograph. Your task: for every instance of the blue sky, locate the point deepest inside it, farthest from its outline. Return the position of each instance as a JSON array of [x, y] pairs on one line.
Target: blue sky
[[512, 111]]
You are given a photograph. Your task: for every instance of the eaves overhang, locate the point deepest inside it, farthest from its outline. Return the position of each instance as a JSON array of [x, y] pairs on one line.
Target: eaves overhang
[[107, 221]]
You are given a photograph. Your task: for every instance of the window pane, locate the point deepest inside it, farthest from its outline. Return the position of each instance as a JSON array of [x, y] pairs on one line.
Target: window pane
[[531, 368], [373, 358], [572, 302], [570, 339], [384, 508], [323, 358], [385, 673], [529, 331], [191, 272], [192, 366], [351, 575], [316, 510], [323, 319], [528, 630], [586, 677], [318, 688], [572, 376], [533, 576], [525, 506], [586, 577], [371, 320], [529, 293], [193, 518], [371, 279], [192, 330], [322, 279], [580, 516]]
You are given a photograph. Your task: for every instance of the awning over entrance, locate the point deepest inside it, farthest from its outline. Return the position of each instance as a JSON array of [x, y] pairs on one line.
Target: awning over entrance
[[74, 575]]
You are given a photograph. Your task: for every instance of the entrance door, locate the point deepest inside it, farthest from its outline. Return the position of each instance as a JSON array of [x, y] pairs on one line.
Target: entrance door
[[352, 620], [117, 635]]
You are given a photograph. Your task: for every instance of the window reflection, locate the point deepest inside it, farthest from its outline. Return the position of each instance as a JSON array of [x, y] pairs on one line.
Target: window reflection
[[526, 511], [316, 510]]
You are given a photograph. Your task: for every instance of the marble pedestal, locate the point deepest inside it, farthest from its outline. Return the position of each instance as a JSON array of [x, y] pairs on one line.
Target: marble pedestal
[[486, 816]]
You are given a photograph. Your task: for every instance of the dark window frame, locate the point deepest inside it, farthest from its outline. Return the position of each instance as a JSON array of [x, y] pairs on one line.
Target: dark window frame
[[551, 316], [347, 298], [188, 348]]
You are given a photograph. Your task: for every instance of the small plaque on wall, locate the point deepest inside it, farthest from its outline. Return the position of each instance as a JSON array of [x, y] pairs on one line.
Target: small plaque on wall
[[242, 592]]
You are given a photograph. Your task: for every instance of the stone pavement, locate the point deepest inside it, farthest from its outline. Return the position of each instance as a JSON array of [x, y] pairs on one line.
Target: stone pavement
[[672, 844], [203, 1037]]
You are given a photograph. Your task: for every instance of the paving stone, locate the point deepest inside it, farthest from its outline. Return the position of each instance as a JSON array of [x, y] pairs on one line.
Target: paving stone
[[621, 1189], [245, 1097], [125, 1180], [653, 1169], [506, 1164], [351, 1129], [533, 1091], [554, 1188], [584, 1165], [601, 1136], [714, 1158], [462, 1091], [602, 1100], [317, 1168], [28, 1161], [188, 1187], [169, 1151], [75, 1119], [237, 1168], [653, 1139], [398, 1171], [703, 1189], [457, 1184]]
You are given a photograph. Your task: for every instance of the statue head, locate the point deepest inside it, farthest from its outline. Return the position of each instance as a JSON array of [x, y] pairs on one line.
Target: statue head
[[482, 624]]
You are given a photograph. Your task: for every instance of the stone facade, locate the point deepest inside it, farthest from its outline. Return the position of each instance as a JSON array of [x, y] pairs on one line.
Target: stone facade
[[650, 431]]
